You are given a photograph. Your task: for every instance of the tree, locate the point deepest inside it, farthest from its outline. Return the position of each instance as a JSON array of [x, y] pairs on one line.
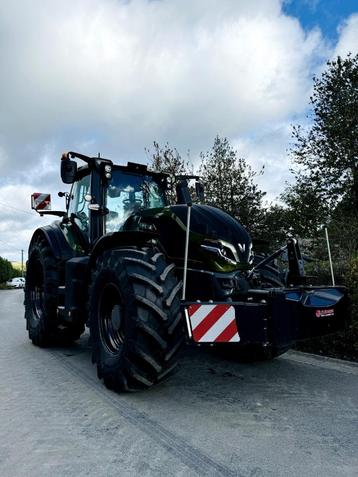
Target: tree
[[7, 271], [326, 188], [327, 153], [275, 228], [306, 211], [229, 184], [168, 160]]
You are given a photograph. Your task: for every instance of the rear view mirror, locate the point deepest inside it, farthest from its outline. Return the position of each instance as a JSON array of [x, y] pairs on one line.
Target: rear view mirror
[[40, 201], [183, 192], [199, 189], [68, 171]]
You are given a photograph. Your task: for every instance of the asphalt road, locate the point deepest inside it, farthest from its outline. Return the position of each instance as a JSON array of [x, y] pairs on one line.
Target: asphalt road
[[294, 416]]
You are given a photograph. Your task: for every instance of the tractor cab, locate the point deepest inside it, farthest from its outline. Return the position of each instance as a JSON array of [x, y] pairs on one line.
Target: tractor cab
[[103, 196]]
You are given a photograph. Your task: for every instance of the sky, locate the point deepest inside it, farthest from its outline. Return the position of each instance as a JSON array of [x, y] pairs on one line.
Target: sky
[[112, 76]]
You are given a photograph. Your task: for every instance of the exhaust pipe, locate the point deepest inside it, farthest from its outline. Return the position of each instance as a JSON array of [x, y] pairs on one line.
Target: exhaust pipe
[[330, 257], [186, 250]]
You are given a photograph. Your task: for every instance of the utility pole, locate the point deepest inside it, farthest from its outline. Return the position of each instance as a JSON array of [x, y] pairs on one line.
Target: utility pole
[[22, 263]]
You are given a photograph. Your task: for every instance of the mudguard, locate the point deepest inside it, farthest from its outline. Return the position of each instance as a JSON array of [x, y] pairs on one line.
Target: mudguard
[[121, 239], [56, 240]]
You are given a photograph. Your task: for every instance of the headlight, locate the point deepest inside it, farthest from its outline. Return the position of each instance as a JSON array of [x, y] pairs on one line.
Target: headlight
[[222, 251]]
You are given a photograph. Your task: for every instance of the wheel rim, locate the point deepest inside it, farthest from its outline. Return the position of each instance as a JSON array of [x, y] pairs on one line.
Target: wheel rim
[[110, 318], [37, 293]]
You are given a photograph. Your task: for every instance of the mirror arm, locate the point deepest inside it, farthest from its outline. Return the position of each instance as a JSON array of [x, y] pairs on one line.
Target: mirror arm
[[59, 213], [66, 156]]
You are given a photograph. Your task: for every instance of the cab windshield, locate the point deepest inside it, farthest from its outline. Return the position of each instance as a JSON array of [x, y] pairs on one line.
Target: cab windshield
[[128, 193]]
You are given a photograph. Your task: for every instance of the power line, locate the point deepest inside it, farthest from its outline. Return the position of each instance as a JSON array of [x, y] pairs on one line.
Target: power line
[[10, 246], [17, 209]]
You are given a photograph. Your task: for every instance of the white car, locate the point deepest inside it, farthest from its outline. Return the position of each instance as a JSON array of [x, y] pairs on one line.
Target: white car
[[18, 282]]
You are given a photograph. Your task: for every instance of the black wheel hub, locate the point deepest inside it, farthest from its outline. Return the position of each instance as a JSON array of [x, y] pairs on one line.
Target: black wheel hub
[[37, 293], [110, 318]]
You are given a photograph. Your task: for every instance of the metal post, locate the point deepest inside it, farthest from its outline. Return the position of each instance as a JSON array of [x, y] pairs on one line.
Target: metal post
[[186, 250], [329, 256]]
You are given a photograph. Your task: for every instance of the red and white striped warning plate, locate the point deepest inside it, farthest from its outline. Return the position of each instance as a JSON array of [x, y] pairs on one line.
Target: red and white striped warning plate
[[40, 201], [213, 323]]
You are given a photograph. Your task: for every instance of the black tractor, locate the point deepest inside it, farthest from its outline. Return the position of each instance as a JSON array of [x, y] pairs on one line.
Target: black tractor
[[145, 276]]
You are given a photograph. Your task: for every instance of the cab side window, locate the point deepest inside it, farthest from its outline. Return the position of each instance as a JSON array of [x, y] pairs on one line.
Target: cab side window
[[78, 205]]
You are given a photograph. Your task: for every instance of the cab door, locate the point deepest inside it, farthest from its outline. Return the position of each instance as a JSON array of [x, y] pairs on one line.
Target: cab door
[[76, 226]]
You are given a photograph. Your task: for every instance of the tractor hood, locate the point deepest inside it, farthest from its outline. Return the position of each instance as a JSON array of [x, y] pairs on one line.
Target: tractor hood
[[214, 228], [217, 242]]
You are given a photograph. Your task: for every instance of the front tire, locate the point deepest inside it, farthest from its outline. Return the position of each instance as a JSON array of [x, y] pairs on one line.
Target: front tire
[[135, 319]]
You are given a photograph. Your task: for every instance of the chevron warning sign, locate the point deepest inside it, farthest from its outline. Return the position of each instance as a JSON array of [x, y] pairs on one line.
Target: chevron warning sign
[[40, 201], [212, 323]]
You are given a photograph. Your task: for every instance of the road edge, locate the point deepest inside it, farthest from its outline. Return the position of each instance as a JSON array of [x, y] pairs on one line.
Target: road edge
[[349, 367]]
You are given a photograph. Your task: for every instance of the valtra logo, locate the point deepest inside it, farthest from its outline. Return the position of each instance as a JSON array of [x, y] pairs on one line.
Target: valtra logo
[[325, 313]]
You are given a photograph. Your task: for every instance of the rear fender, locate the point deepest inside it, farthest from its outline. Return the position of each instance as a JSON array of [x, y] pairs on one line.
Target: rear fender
[[120, 239], [54, 237]]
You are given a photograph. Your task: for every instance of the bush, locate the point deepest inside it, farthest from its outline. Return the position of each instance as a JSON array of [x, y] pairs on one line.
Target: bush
[[352, 282], [7, 271], [345, 343]]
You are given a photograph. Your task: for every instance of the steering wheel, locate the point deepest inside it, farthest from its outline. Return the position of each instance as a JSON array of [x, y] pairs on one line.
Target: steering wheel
[[128, 202]]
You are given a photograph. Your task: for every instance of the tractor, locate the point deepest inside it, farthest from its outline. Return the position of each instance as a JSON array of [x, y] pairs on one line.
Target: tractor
[[147, 277]]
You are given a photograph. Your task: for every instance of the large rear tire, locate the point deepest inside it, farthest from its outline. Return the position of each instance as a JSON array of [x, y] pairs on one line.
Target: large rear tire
[[135, 320], [41, 299]]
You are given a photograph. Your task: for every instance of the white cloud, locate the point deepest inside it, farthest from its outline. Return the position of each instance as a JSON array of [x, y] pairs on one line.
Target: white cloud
[[112, 76], [348, 40], [3, 157], [129, 73], [268, 148]]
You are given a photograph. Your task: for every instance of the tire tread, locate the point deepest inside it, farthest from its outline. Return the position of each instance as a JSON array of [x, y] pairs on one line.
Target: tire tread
[[151, 350]]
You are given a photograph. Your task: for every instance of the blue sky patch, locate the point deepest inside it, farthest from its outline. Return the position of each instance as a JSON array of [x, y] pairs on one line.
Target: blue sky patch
[[327, 15]]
